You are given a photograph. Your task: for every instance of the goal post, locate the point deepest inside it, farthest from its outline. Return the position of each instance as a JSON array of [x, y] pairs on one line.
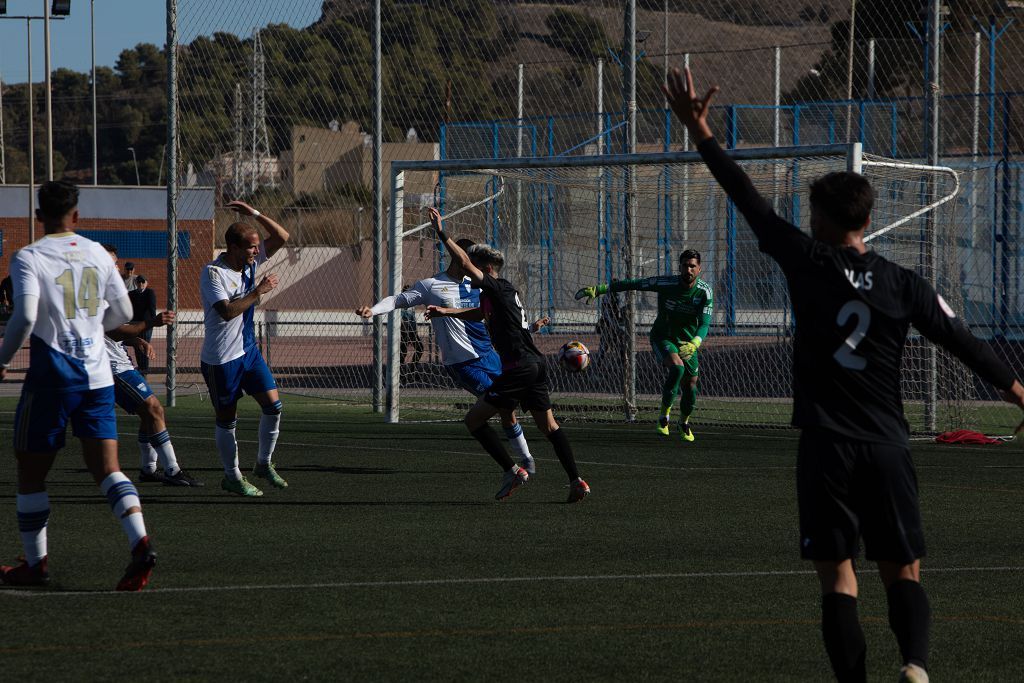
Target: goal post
[[563, 223]]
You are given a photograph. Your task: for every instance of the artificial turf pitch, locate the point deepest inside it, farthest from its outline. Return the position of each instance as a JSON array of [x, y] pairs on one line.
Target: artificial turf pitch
[[387, 558]]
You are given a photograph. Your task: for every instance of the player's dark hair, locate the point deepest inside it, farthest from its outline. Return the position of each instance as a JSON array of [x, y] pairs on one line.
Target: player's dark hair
[[141, 278], [110, 248], [57, 198], [844, 197], [689, 254], [465, 243], [237, 232], [485, 255]]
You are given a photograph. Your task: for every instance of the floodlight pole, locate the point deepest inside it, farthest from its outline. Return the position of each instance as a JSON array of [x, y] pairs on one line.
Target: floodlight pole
[[92, 44], [934, 98], [31, 141], [172, 197], [49, 100]]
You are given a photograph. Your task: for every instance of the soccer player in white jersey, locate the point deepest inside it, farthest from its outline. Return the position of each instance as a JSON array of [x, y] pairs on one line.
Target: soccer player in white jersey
[[230, 360], [465, 346], [66, 293], [133, 393]]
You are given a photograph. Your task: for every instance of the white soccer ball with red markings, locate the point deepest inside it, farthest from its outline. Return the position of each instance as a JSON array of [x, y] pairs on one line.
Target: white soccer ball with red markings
[[574, 356]]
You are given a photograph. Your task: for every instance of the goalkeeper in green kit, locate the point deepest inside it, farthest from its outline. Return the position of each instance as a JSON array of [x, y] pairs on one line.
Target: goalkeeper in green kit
[[684, 314]]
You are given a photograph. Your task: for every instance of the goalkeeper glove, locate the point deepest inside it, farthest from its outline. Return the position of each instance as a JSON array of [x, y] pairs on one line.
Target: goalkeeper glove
[[591, 293], [687, 350]]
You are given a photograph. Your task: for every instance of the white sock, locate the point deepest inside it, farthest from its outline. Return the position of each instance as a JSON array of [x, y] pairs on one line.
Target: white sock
[[270, 427], [228, 449], [161, 445], [33, 514], [147, 456], [517, 440], [122, 496]]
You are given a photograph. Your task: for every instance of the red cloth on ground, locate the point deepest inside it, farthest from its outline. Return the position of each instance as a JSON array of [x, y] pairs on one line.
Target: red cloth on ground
[[965, 436]]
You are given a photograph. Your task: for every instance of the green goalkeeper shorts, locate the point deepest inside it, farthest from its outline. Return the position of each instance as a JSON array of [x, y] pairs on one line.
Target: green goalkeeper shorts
[[664, 347]]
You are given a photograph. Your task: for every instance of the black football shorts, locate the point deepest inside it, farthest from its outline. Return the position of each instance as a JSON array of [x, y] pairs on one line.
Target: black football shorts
[[526, 385], [848, 490]]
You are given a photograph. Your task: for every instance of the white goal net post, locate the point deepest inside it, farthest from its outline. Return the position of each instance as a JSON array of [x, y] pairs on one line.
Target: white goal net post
[[567, 222]]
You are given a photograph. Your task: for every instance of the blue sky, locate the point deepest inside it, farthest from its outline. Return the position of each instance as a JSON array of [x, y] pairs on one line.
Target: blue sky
[[122, 24]]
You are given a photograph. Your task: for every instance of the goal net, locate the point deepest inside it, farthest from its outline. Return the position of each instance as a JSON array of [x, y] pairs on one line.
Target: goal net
[[567, 223]]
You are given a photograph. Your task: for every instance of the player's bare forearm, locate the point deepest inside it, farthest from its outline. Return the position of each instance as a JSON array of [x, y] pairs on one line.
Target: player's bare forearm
[[278, 235], [458, 253], [232, 309]]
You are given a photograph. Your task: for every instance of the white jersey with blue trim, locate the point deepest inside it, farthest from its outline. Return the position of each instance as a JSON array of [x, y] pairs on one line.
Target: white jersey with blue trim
[[118, 354], [227, 340], [73, 277], [458, 340]]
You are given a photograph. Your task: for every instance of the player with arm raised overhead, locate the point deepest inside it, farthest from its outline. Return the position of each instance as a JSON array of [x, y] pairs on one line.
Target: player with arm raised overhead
[[523, 378], [466, 349], [230, 360], [853, 310], [684, 314], [66, 293], [133, 393]]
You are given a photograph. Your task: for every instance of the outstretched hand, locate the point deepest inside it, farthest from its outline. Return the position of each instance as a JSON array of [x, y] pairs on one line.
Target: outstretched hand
[[435, 222], [691, 111]]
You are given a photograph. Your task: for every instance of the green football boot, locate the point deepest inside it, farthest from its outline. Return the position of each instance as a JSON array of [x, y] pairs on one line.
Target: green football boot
[[685, 433], [268, 472], [242, 487]]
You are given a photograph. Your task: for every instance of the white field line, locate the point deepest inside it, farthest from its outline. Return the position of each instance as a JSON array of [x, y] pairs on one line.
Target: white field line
[[489, 580]]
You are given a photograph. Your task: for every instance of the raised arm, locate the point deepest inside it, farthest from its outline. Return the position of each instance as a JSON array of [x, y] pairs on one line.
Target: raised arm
[[693, 113], [458, 253], [936, 321], [593, 291], [277, 234]]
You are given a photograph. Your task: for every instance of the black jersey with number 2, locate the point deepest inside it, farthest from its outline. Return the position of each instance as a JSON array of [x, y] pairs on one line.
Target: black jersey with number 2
[[853, 312], [506, 322]]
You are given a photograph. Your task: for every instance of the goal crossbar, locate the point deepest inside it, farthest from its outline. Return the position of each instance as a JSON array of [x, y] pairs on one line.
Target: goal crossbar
[[852, 154]]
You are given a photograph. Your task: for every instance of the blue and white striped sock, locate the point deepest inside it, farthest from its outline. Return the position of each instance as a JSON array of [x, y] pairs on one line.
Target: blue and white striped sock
[[161, 444], [517, 440], [270, 428], [33, 514], [123, 496]]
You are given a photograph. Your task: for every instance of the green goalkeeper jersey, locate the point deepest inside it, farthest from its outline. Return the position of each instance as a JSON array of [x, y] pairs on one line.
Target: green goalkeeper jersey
[[683, 312]]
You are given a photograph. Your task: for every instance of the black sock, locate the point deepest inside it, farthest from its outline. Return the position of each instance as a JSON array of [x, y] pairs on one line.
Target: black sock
[[844, 640], [563, 450], [489, 439], [909, 616]]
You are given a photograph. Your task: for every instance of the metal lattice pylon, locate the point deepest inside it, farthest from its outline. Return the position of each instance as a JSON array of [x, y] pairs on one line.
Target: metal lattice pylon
[[260, 139]]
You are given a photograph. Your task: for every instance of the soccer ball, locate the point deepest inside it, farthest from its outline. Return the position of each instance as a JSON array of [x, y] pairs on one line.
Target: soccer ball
[[574, 356]]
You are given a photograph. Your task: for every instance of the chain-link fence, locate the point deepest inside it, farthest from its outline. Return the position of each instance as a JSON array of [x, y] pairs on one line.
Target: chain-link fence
[[275, 106]]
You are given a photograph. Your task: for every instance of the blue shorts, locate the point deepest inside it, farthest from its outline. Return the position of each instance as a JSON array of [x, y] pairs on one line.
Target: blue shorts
[[476, 376], [131, 390], [41, 420], [227, 381]]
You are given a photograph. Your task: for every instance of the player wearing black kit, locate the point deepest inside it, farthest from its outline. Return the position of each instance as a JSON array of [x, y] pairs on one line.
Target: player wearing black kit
[[855, 477], [523, 378]]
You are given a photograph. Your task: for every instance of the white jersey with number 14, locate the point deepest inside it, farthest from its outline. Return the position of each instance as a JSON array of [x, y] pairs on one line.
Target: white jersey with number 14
[[73, 277]]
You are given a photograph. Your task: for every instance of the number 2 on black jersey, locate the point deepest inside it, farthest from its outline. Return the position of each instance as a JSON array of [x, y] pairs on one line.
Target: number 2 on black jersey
[[845, 355], [522, 312]]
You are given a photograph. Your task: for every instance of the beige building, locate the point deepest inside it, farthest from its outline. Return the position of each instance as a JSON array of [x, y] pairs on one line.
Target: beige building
[[326, 159]]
